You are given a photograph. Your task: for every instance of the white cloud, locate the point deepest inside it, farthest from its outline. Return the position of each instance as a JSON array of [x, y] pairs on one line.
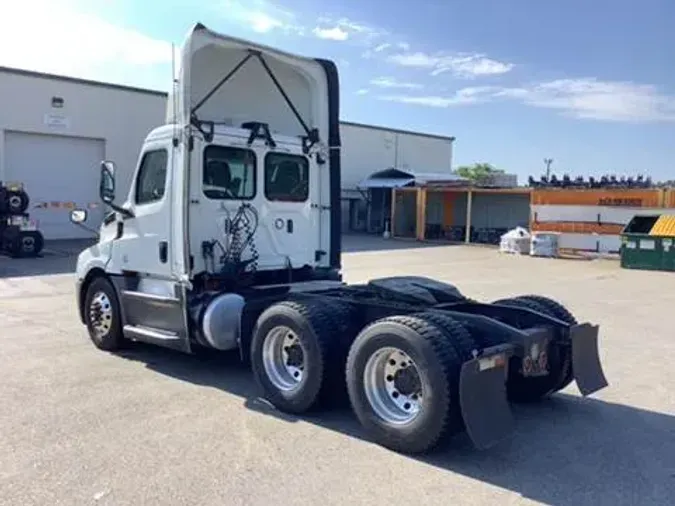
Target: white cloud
[[335, 33], [260, 15], [586, 98], [390, 82], [381, 47], [341, 29], [414, 59], [590, 98], [80, 44], [465, 96], [362, 91], [461, 65]]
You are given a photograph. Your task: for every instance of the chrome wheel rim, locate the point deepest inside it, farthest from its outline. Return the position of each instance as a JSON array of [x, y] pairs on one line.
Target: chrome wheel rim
[[100, 314], [393, 386], [284, 358]]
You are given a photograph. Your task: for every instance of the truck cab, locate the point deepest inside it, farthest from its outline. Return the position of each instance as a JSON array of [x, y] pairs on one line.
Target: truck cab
[[240, 187]]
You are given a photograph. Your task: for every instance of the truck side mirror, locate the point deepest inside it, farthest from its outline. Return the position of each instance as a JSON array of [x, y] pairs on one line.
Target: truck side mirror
[[78, 216], [107, 183]]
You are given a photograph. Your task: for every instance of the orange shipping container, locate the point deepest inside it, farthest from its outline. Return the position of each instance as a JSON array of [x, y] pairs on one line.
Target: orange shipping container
[[601, 197], [572, 227], [669, 200]]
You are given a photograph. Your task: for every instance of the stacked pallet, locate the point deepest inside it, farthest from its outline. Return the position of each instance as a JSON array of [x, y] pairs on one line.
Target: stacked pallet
[[592, 220]]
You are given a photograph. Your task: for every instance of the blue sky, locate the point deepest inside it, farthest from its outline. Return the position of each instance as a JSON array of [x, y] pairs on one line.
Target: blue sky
[[589, 83]]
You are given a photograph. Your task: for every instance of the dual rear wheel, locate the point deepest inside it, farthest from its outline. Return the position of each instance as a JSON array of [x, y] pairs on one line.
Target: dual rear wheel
[[401, 373]]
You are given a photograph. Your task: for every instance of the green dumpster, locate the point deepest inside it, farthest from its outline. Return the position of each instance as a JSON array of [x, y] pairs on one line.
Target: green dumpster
[[648, 242]]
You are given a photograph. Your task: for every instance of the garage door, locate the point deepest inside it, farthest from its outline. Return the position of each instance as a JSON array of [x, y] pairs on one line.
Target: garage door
[[56, 170]]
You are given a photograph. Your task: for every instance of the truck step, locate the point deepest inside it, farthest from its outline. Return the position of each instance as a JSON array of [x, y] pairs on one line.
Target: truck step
[[155, 336]]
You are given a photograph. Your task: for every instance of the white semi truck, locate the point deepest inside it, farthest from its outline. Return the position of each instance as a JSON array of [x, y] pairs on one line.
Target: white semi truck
[[229, 239]]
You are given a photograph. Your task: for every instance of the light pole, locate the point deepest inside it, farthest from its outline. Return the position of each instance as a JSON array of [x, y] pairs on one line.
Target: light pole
[[548, 162]]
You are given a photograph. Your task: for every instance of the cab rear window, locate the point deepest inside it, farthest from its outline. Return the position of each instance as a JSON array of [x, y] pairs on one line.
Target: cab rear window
[[286, 177], [229, 173]]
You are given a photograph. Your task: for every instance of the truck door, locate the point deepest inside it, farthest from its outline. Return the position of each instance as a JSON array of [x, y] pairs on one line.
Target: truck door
[[145, 244], [222, 179], [293, 223]]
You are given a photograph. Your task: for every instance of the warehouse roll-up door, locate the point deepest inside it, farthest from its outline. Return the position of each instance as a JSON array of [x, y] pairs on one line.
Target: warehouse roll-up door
[[58, 172]]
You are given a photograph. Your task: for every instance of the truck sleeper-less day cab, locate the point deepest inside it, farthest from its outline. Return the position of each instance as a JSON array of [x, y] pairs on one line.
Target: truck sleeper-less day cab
[[230, 239]]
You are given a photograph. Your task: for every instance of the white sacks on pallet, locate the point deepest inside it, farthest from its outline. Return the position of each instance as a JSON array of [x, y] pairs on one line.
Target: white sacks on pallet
[[544, 244], [515, 241]]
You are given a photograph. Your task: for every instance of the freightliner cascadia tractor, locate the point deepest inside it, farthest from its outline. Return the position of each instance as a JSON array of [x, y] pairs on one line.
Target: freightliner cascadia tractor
[[229, 239]]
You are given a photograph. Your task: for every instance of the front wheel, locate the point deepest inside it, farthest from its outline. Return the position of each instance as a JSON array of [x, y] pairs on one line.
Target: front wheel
[[102, 315]]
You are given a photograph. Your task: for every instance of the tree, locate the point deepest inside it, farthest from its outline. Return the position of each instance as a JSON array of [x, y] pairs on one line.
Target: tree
[[478, 172]]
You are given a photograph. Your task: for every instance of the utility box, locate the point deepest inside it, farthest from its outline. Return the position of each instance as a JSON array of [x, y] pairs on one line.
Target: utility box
[[648, 242]]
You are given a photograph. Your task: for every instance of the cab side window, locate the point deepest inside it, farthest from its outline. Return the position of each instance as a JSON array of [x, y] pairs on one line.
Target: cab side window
[[286, 177], [151, 182]]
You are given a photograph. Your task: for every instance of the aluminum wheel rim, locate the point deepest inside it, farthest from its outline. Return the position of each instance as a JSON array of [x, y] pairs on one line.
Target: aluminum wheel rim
[[393, 386], [100, 314], [284, 358]]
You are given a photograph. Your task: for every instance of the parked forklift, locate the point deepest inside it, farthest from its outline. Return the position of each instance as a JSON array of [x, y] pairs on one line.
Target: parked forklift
[[230, 239], [19, 236]]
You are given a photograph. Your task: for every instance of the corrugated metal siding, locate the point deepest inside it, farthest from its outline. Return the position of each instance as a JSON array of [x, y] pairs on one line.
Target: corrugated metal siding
[[590, 214], [459, 210], [599, 197], [493, 210], [435, 208], [664, 226]]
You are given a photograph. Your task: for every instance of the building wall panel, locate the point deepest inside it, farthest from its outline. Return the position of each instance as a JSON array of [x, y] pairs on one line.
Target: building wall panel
[[121, 118], [368, 149]]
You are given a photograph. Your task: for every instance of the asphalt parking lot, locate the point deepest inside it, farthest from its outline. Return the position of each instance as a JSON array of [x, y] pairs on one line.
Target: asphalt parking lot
[[80, 426]]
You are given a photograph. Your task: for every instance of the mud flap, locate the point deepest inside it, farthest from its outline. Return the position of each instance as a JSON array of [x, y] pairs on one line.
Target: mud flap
[[482, 397], [586, 365]]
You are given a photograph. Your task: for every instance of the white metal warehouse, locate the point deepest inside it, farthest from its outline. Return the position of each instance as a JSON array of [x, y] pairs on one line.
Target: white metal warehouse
[[55, 130]]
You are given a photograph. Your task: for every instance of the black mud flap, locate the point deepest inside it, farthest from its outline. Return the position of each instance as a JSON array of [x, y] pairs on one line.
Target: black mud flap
[[586, 365], [482, 397]]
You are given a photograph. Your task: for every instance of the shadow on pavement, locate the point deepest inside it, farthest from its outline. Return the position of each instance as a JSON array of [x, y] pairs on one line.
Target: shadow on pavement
[[57, 257], [566, 451], [354, 243]]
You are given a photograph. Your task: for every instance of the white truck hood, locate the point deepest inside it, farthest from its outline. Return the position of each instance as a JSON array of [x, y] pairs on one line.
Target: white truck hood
[[250, 93]]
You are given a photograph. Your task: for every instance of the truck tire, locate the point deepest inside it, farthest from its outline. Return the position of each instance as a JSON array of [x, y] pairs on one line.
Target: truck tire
[[102, 315], [343, 318], [290, 354], [17, 201], [521, 389], [27, 244], [402, 374], [460, 339], [557, 310], [454, 332], [3, 199]]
